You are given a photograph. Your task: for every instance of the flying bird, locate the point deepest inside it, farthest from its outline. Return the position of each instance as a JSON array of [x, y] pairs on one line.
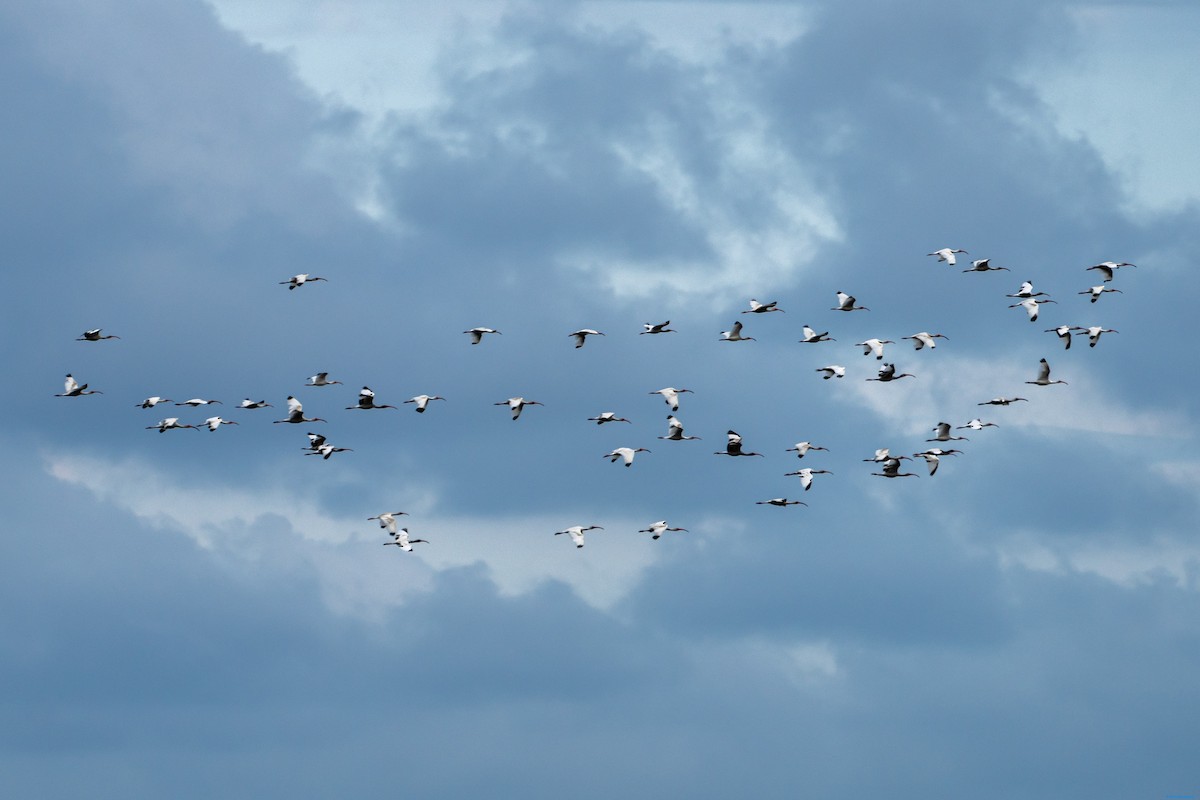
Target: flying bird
[[388, 519], [93, 335], [607, 416], [1026, 290], [924, 339], [812, 337], [1043, 378], [296, 281], [1001, 401], [251, 404], [517, 404], [582, 334], [366, 401], [1096, 291], [977, 425], [1030, 304], [802, 448], [215, 422], [947, 255], [832, 371], [846, 303], [780, 502], [576, 533], [402, 541], [933, 459], [72, 388], [169, 424], [942, 429], [1106, 268], [675, 431], [874, 346], [652, 328], [199, 401], [734, 334], [624, 453], [762, 308], [315, 440], [984, 265], [891, 469], [887, 373], [477, 334], [1094, 334], [151, 402], [422, 401], [671, 395], [296, 413], [326, 450], [806, 476], [321, 379], [733, 446], [657, 529], [1064, 333]]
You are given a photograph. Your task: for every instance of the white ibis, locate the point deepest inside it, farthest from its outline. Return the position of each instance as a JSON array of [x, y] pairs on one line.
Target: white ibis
[[388, 519], [947, 255], [891, 469], [874, 346], [94, 335], [1030, 304], [326, 450], [1106, 268], [199, 401], [72, 388], [401, 540], [296, 413], [252, 404], [1094, 332], [1001, 401], [802, 448], [315, 440], [169, 424], [762, 308], [652, 328], [977, 425], [296, 281], [1026, 290], [734, 334], [607, 416], [832, 371], [882, 454], [477, 334], [1043, 378], [812, 337], [215, 422], [887, 373], [733, 446], [806, 476], [671, 395], [1064, 333], [657, 529], [932, 460], [675, 431], [985, 265], [624, 453], [151, 402], [322, 379], [582, 334], [925, 339], [846, 303], [1096, 291], [517, 404], [942, 434], [422, 401], [937, 451], [366, 401], [576, 532], [780, 502]]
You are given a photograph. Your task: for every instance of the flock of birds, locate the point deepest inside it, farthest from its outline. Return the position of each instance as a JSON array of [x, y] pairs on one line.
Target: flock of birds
[[888, 464]]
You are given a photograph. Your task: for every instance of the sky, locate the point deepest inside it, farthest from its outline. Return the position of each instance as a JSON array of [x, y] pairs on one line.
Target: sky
[[194, 613]]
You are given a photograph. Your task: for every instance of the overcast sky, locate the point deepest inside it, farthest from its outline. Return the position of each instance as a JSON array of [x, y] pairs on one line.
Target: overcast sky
[[193, 614]]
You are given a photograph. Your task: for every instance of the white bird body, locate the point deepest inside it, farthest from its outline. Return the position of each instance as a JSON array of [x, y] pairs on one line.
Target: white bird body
[[321, 379], [806, 476], [215, 422], [296, 413], [762, 308], [151, 402], [874, 346], [1026, 290], [1094, 332], [812, 337], [624, 453], [388, 520], [942, 431], [326, 450], [931, 459], [366, 401], [1064, 334], [1001, 401], [846, 303], [73, 388], [198, 401], [882, 454], [977, 425], [582, 334], [607, 416], [296, 281], [802, 448], [1030, 304], [421, 401], [947, 255], [315, 440], [169, 424], [1096, 291], [924, 339], [576, 532], [477, 334], [94, 335], [1106, 268], [401, 540], [891, 469], [657, 529], [734, 334], [675, 431], [887, 373], [832, 371], [252, 404], [984, 265], [733, 446], [1043, 378], [671, 395], [517, 405], [652, 328]]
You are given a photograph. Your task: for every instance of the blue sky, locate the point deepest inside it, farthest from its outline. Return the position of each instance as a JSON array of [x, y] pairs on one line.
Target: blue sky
[[194, 613]]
